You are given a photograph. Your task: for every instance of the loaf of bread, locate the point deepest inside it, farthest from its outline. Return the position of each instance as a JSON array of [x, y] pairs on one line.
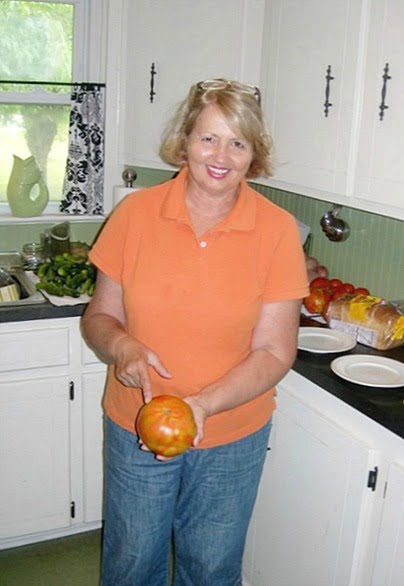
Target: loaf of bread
[[370, 320]]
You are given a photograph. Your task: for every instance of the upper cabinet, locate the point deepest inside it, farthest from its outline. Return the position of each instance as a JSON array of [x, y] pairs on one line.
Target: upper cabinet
[[323, 70], [308, 83], [167, 47], [380, 167], [330, 73]]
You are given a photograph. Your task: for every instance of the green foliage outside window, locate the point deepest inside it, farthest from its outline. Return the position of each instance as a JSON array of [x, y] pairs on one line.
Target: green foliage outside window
[[36, 44]]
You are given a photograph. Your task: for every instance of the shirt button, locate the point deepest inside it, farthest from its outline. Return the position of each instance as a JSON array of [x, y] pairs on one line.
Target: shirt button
[[203, 244]]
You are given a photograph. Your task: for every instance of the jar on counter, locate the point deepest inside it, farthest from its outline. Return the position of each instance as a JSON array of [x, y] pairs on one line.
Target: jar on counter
[[32, 255]]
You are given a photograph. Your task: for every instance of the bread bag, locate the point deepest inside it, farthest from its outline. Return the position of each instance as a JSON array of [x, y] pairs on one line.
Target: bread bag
[[370, 320]]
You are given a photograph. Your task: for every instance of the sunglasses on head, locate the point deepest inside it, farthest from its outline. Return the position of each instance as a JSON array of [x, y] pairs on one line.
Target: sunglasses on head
[[222, 84]]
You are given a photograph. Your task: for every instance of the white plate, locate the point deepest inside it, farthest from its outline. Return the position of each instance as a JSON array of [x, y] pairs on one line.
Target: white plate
[[372, 371], [323, 340]]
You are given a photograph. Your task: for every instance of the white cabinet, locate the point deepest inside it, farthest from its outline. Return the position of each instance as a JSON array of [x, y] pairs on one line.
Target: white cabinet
[[389, 564], [93, 386], [51, 431], [343, 153], [34, 455], [187, 41], [303, 39], [314, 509], [380, 169]]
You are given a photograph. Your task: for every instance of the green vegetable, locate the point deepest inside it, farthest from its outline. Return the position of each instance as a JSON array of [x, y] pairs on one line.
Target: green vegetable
[[67, 274]]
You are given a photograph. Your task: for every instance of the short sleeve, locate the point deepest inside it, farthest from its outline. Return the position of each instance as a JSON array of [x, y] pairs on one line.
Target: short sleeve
[[287, 275], [108, 252]]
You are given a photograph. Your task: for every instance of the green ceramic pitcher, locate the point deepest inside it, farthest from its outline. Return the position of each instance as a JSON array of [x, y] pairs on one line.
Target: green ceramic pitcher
[[27, 193]]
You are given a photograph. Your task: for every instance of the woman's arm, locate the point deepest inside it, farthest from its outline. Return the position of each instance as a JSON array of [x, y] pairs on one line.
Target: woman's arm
[[273, 351], [103, 326]]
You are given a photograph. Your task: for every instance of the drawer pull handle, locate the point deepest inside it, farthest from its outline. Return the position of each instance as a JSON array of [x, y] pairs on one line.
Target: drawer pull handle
[[385, 78], [327, 103], [153, 72]]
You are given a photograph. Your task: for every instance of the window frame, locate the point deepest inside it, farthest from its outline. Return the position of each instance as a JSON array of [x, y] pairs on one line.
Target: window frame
[[37, 96]]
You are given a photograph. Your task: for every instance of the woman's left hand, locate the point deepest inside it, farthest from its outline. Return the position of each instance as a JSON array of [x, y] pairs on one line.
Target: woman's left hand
[[200, 416]]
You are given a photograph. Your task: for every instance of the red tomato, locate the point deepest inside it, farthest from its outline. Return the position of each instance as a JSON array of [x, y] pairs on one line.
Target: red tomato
[[337, 293], [166, 425], [317, 301], [335, 284], [349, 288], [319, 282], [361, 291]]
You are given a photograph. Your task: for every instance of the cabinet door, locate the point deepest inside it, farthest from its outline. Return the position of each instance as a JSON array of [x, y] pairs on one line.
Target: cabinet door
[[312, 146], [188, 41], [314, 508], [380, 169], [389, 565], [92, 388], [34, 455]]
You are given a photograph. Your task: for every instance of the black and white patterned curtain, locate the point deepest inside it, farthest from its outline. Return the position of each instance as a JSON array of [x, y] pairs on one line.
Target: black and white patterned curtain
[[83, 190]]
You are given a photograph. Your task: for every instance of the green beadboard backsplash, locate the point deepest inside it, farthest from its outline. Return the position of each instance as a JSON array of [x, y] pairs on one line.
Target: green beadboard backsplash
[[372, 256]]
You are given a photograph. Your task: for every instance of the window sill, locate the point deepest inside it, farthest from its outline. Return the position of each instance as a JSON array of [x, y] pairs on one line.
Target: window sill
[[6, 217]]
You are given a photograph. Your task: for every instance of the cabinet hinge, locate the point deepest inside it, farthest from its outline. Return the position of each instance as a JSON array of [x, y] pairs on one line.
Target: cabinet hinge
[[71, 390], [372, 478], [72, 509]]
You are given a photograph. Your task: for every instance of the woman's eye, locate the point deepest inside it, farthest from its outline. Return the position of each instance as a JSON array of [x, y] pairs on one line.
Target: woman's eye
[[209, 139], [239, 144]]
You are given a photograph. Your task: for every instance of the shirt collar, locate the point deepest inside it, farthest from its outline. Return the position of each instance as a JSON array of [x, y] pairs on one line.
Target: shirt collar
[[241, 217]]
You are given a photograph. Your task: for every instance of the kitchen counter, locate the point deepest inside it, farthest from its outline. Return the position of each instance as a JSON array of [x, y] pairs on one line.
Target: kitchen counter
[[39, 311], [385, 406]]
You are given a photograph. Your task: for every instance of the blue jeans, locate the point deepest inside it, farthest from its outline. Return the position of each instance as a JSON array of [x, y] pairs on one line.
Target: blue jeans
[[200, 501]]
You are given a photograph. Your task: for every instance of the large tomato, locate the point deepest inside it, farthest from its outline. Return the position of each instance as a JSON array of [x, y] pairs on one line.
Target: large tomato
[[317, 301], [166, 425]]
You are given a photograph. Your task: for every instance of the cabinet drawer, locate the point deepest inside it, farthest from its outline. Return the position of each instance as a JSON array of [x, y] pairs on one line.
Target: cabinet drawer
[[87, 355], [35, 348]]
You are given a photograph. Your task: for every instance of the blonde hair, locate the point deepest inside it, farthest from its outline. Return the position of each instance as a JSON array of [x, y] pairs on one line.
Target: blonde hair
[[239, 104]]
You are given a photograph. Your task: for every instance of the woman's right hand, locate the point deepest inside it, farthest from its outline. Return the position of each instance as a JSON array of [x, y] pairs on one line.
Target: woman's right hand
[[132, 362]]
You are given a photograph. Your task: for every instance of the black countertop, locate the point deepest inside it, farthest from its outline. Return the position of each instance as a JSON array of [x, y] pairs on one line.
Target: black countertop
[[385, 406], [39, 311]]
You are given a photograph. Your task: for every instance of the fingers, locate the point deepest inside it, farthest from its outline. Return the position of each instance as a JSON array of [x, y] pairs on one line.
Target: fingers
[[132, 368], [155, 362]]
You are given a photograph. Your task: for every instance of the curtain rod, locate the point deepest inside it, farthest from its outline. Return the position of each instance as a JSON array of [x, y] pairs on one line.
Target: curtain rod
[[84, 83]]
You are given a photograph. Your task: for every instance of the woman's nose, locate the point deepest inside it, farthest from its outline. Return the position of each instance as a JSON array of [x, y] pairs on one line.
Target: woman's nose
[[221, 151]]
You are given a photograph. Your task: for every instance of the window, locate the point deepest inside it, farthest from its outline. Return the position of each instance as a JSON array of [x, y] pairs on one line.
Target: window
[[40, 41]]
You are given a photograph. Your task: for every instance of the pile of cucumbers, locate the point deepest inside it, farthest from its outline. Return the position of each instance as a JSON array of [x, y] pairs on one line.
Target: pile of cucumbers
[[66, 274]]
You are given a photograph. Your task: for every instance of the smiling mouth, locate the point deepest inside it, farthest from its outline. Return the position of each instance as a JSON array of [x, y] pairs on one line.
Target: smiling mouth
[[217, 173]]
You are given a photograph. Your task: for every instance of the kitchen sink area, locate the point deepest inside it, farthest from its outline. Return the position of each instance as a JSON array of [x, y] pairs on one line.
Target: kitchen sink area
[[11, 262]]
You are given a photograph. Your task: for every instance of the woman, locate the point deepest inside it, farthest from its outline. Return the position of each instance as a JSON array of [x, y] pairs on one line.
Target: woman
[[198, 294]]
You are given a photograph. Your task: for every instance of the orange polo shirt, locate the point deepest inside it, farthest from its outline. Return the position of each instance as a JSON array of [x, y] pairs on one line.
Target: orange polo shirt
[[195, 301]]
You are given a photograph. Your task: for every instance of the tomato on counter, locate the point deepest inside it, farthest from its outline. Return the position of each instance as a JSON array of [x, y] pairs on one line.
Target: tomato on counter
[[361, 291], [317, 301], [349, 288], [319, 283], [335, 284]]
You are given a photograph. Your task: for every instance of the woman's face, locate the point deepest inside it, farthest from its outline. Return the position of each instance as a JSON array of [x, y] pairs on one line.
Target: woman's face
[[218, 156]]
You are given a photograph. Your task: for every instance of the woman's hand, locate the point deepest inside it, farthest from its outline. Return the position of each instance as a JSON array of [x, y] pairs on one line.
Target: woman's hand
[[132, 362], [200, 416]]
